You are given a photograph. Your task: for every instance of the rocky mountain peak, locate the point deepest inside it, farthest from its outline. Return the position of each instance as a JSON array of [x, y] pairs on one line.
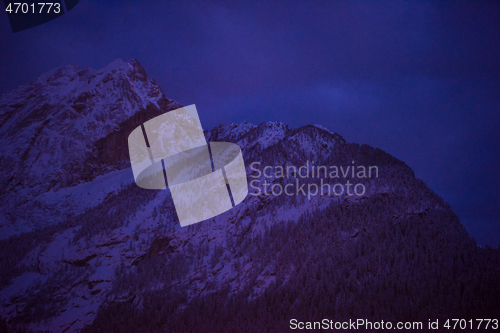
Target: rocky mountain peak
[[60, 127], [84, 249]]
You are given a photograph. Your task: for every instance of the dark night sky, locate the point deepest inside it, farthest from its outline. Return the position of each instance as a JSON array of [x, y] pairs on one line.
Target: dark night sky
[[420, 80]]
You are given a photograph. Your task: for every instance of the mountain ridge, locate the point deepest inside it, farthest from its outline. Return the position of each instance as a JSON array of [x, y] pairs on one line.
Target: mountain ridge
[[103, 255], [72, 121]]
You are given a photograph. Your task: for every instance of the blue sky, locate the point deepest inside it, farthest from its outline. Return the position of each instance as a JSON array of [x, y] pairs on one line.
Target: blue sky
[[418, 79]]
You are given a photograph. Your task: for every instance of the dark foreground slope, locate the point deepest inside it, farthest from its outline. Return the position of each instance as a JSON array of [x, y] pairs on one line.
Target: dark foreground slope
[[95, 253], [398, 254]]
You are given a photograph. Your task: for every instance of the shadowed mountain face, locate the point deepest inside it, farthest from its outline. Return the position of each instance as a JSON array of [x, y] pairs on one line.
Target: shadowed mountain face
[[64, 128], [89, 250]]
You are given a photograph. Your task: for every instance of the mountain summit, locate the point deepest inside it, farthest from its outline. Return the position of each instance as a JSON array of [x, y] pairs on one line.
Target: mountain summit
[[66, 127], [85, 249]]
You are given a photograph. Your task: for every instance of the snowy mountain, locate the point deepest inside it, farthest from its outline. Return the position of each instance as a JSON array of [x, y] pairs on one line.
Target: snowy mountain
[[64, 128], [85, 249]]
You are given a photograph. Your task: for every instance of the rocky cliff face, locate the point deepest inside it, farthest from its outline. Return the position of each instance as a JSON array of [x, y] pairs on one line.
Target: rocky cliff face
[[91, 251], [64, 128]]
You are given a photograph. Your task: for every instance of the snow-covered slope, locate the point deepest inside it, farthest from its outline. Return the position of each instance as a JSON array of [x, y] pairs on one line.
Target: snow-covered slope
[[51, 130], [89, 247]]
